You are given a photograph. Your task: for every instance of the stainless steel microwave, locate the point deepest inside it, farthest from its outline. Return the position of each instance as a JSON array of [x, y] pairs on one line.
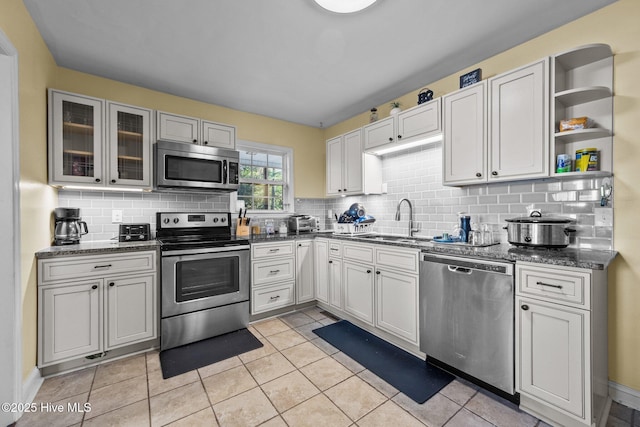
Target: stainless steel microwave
[[181, 166]]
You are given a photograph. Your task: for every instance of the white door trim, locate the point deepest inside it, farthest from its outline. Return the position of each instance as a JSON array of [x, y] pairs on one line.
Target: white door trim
[[11, 303]]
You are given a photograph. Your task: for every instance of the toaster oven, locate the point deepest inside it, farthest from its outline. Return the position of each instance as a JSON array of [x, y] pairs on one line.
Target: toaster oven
[[303, 223]]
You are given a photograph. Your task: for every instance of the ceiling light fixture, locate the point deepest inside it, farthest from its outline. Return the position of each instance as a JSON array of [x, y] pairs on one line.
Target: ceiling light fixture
[[345, 6]]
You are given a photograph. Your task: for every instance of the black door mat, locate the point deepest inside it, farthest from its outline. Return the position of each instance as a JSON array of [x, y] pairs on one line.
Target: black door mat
[[407, 373], [179, 360]]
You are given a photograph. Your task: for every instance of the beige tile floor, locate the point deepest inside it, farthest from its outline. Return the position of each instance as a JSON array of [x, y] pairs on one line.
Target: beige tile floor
[[296, 379]]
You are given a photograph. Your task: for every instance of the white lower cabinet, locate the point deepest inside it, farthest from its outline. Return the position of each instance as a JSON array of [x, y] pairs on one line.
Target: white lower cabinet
[[79, 317], [358, 290], [397, 304], [321, 269], [374, 285], [70, 321], [561, 343], [305, 276], [273, 276], [130, 315]]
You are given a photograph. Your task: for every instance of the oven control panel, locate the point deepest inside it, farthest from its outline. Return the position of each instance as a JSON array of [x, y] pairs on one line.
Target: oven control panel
[[191, 219]]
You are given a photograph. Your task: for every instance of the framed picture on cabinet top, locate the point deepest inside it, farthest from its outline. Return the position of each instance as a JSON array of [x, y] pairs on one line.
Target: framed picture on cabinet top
[[470, 78]]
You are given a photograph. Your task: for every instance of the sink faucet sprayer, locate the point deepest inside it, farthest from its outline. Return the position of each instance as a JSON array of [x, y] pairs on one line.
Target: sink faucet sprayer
[[411, 229]]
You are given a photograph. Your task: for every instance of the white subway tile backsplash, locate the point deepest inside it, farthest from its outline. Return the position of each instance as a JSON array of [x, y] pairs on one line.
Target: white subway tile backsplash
[[414, 174]]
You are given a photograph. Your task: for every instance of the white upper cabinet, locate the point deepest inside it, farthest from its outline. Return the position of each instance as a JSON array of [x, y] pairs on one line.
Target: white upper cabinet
[[129, 145], [76, 138], [465, 136], [582, 86], [379, 133], [218, 135], [516, 122], [422, 121], [98, 143], [519, 123], [173, 127], [349, 170]]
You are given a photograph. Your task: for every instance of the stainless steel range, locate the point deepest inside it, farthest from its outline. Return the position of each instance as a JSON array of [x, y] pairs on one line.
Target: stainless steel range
[[204, 277]]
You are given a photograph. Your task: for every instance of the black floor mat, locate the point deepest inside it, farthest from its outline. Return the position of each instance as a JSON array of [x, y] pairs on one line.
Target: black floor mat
[[179, 360], [407, 373]]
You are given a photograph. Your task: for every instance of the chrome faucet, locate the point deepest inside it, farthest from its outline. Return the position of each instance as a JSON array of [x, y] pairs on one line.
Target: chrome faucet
[[411, 229]]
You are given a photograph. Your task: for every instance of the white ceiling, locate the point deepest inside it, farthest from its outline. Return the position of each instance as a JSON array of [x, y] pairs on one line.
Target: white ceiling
[[288, 59]]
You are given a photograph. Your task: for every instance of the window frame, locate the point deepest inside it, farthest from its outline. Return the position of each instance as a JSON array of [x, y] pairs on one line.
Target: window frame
[[287, 173]]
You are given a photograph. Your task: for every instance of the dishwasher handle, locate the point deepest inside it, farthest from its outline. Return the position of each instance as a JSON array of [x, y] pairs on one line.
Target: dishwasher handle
[[460, 270], [460, 265]]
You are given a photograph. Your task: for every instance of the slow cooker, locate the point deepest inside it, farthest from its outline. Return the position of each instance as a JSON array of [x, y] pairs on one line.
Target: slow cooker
[[536, 230]]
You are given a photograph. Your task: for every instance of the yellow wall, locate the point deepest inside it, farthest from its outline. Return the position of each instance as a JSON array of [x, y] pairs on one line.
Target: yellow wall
[[37, 200], [616, 25]]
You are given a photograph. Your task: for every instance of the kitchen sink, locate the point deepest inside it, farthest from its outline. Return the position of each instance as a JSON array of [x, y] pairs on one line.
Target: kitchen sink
[[396, 239]]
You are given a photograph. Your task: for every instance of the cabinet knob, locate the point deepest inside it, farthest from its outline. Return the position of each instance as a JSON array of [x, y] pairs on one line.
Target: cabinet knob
[[344, 189], [378, 272], [195, 140], [339, 190], [97, 179], [112, 284], [478, 174], [399, 136], [113, 181], [494, 173], [368, 271], [330, 262], [206, 143], [300, 244], [525, 307], [94, 287], [390, 139]]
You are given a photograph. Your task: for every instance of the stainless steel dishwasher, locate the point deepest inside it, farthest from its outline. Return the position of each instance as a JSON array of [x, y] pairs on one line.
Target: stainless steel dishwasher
[[467, 317]]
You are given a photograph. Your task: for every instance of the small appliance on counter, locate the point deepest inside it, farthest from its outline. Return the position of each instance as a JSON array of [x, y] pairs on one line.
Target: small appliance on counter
[[68, 226], [134, 232], [540, 231], [303, 223]]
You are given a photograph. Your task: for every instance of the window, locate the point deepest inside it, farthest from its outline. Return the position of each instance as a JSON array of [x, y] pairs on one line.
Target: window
[[265, 177]]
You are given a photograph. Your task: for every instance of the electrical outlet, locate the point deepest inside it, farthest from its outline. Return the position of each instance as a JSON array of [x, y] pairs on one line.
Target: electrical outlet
[[116, 216], [604, 217]]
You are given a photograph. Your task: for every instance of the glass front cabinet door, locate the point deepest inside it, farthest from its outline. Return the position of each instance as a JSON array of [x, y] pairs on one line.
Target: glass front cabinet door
[[98, 143], [129, 145], [75, 139]]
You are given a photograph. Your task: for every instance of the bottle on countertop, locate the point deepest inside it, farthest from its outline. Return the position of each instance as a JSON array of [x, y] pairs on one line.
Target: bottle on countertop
[[465, 225]]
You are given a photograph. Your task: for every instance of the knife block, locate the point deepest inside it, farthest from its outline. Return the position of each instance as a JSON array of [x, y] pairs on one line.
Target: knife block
[[241, 228]]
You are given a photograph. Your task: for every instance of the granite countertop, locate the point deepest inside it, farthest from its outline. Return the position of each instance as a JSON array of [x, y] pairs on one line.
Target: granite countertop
[[93, 248], [568, 257]]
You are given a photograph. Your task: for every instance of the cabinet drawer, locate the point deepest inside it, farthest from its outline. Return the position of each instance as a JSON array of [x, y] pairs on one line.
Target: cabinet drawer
[[268, 250], [271, 297], [274, 270], [361, 253], [82, 267], [397, 259], [335, 249], [554, 284]]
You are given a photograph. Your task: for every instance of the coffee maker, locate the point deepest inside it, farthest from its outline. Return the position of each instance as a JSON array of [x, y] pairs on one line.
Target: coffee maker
[[68, 228]]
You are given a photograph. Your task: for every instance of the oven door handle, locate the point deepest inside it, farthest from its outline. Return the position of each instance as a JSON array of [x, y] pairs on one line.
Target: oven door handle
[[222, 249]]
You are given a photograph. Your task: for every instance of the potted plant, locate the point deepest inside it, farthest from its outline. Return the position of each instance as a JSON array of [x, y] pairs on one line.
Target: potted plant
[[395, 108]]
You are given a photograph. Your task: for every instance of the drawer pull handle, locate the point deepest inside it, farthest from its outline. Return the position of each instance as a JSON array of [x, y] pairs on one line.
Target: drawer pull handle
[[274, 250], [274, 297], [334, 249], [274, 271], [103, 266], [549, 285]]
